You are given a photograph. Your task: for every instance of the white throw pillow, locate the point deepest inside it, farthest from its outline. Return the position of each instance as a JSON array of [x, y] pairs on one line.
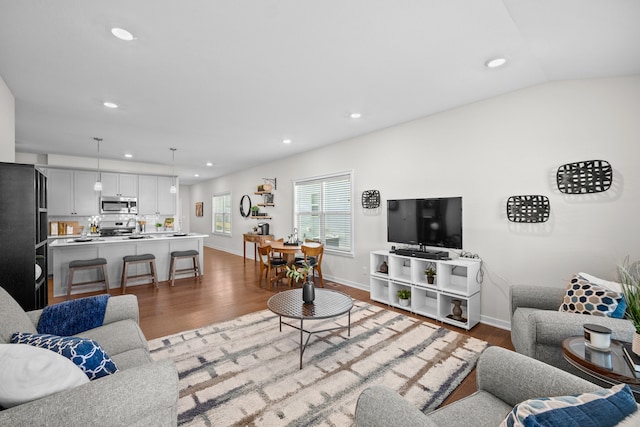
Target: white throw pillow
[[28, 373], [612, 286]]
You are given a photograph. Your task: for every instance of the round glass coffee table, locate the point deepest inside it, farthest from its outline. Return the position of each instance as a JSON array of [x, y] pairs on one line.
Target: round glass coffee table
[[608, 366], [327, 304]]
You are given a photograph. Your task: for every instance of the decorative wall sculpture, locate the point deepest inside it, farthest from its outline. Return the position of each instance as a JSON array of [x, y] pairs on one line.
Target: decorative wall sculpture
[[371, 199], [590, 176], [532, 208]]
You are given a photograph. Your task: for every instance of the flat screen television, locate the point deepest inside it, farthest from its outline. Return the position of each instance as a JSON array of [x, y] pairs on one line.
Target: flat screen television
[[428, 222]]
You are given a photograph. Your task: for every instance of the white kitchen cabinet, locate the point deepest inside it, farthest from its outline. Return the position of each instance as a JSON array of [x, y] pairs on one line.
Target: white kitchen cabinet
[[119, 184], [154, 196], [166, 201], [60, 194], [456, 283], [71, 193]]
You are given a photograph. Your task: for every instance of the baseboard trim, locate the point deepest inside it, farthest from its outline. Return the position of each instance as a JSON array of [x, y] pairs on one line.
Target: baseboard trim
[[498, 323], [491, 321]]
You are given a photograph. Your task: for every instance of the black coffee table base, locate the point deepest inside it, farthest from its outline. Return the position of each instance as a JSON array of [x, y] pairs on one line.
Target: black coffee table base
[[327, 304], [303, 342]]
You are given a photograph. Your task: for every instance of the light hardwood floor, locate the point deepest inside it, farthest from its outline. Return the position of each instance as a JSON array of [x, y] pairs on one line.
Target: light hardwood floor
[[229, 289]]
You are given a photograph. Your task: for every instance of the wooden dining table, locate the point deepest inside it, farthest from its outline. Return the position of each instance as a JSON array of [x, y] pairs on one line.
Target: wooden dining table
[[289, 251]]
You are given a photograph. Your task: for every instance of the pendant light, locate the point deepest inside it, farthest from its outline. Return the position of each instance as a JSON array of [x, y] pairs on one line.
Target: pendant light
[[173, 189], [98, 185]]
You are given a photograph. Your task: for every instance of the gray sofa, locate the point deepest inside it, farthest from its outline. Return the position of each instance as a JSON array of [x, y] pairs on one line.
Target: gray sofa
[[505, 378], [142, 393], [538, 328]]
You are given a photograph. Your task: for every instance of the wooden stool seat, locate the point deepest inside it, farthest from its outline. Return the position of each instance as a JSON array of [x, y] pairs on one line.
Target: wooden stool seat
[[83, 264], [139, 259], [194, 269]]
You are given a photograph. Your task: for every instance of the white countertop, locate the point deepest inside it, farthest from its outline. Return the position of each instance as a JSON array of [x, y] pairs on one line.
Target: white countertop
[[64, 241]]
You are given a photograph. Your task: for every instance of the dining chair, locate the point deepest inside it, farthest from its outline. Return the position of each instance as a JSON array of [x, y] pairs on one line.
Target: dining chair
[[276, 254], [312, 257], [268, 264]]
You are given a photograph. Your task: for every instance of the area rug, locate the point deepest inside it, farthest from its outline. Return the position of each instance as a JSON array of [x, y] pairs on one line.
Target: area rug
[[245, 372]]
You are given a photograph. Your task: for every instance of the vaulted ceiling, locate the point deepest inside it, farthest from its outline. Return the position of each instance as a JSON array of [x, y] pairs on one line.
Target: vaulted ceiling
[[227, 81]]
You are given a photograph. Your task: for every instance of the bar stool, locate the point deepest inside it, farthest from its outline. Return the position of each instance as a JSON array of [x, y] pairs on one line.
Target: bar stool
[[195, 269], [84, 264], [139, 259]]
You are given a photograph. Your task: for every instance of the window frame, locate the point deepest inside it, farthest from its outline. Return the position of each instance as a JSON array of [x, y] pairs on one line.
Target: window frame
[[223, 194], [322, 179]]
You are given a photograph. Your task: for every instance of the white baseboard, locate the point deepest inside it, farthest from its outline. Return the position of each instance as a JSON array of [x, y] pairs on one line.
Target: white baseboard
[[498, 323]]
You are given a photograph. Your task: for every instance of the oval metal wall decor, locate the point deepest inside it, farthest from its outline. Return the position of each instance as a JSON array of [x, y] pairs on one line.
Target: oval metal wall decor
[[531, 208], [589, 176]]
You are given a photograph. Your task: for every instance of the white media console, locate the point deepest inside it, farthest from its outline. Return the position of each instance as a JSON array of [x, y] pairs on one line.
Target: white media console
[[454, 280]]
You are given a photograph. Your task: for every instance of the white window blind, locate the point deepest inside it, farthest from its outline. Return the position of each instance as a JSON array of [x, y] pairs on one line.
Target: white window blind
[[221, 214], [324, 212]]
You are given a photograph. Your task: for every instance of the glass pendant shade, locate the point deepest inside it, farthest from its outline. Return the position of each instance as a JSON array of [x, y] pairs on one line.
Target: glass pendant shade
[[173, 189], [98, 185]]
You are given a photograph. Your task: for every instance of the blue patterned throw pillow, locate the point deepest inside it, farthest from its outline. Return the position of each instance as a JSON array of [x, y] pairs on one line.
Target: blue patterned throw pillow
[[85, 353], [585, 297], [603, 408]]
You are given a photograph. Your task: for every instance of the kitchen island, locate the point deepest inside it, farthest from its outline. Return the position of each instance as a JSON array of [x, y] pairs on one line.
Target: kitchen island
[[113, 249]]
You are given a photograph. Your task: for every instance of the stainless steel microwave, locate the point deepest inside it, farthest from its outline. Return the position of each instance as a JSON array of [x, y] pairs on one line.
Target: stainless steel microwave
[[116, 204]]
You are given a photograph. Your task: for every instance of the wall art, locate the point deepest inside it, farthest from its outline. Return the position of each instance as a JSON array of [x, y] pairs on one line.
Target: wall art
[[530, 208], [371, 199], [590, 176]]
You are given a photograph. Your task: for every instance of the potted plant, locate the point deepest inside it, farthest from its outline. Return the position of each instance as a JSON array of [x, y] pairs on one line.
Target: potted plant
[[404, 295], [296, 273], [629, 274], [254, 210], [430, 273]]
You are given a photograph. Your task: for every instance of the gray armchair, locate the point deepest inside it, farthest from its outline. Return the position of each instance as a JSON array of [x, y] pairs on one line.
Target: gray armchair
[[505, 378], [538, 328], [142, 393]]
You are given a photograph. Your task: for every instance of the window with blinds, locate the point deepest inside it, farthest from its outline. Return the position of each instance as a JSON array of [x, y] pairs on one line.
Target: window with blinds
[[324, 211], [221, 214]]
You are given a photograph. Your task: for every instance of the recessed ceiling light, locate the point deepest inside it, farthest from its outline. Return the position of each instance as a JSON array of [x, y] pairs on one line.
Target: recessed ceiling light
[[128, 156], [286, 141], [109, 104], [495, 62], [209, 164], [122, 34], [196, 175], [355, 115]]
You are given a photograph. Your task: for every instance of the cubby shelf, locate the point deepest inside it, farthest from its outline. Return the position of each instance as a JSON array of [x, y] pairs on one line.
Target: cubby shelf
[[454, 280]]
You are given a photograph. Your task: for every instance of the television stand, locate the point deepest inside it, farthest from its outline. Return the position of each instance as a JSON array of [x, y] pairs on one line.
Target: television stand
[[422, 253]]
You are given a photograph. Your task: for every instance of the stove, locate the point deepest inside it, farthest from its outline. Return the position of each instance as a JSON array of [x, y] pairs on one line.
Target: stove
[[117, 228]]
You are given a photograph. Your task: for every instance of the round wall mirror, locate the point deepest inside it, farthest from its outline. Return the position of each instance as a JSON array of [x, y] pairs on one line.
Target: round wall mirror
[[245, 206]]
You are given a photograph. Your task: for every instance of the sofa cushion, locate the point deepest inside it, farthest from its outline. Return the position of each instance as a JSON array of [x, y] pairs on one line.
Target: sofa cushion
[[479, 409], [14, 318], [28, 373], [584, 297], [87, 354], [601, 408], [118, 337]]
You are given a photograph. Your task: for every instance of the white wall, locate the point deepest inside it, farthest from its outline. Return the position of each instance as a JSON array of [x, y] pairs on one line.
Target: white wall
[[484, 152], [7, 124]]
